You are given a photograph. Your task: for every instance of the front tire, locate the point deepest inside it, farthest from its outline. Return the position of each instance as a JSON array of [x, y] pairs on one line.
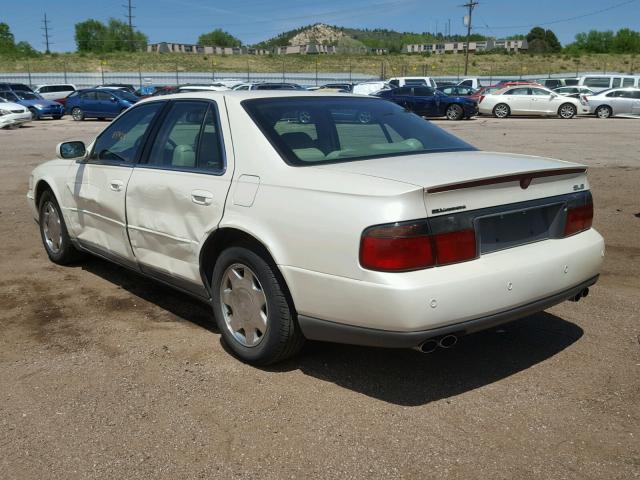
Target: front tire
[[34, 114], [604, 111], [53, 231], [567, 111], [77, 114], [251, 308], [455, 112], [501, 110]]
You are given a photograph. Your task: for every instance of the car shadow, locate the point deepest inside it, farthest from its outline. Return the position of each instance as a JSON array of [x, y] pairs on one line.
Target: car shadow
[[183, 306], [400, 377], [410, 378]]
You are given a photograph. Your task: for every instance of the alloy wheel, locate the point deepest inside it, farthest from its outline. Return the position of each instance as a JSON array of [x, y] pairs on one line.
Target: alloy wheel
[[501, 110], [567, 111]]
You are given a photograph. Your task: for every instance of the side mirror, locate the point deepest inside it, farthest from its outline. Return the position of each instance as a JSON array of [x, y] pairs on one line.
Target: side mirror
[[68, 150]]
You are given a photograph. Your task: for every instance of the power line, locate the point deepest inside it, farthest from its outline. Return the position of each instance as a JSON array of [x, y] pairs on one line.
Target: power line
[[45, 28], [562, 20]]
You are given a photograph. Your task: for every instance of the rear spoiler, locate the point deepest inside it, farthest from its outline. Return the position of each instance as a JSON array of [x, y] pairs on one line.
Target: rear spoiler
[[524, 179]]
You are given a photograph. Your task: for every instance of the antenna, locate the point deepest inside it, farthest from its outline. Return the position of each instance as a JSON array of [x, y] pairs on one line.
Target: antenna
[[130, 18], [45, 28], [471, 5]]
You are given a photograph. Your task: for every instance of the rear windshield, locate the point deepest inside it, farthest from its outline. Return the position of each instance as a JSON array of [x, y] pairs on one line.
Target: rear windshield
[[125, 95], [317, 130]]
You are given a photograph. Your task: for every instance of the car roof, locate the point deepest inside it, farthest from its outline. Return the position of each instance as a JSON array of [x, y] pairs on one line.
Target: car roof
[[240, 95]]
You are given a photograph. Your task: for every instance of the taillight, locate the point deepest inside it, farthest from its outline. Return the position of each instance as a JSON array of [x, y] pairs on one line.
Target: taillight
[[579, 218], [481, 98], [396, 247], [413, 246]]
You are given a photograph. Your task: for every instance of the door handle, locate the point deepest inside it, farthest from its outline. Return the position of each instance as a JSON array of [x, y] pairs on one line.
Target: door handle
[[116, 185], [201, 197]]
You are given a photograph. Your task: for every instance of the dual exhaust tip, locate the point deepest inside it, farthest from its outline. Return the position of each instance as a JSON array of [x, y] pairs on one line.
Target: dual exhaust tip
[[432, 344], [580, 295]]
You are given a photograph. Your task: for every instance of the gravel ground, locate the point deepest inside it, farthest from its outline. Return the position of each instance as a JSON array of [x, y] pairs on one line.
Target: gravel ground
[[105, 374]]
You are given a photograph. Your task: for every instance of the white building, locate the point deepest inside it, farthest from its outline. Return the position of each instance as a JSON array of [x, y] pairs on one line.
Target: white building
[[513, 46]]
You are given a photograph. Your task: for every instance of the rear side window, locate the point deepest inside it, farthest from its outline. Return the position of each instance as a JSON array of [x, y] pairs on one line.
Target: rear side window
[[597, 82], [88, 96], [120, 143], [628, 82], [103, 96], [189, 139], [330, 130]]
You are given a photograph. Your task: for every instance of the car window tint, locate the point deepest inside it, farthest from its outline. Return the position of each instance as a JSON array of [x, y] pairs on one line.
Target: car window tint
[[210, 154], [539, 92], [628, 82], [597, 82], [345, 129], [179, 138], [517, 91], [103, 96], [88, 96], [121, 141], [423, 91], [403, 91]]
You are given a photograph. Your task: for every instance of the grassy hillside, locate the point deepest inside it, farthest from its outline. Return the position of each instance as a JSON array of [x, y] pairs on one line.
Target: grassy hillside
[[496, 64]]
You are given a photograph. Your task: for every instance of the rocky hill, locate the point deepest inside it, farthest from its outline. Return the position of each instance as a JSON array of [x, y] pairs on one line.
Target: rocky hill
[[318, 34]]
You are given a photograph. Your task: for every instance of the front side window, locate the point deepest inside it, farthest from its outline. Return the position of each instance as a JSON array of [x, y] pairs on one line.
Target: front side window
[[88, 96], [423, 91], [517, 91], [539, 92], [309, 131], [120, 143], [189, 138], [103, 96]]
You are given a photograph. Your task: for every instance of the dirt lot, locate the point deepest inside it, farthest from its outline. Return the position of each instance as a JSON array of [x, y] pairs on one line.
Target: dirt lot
[[104, 374]]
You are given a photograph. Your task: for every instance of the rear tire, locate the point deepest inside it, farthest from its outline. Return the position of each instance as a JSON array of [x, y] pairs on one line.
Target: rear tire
[[53, 231], [567, 111], [256, 320], [501, 110], [455, 112], [77, 114], [604, 111]]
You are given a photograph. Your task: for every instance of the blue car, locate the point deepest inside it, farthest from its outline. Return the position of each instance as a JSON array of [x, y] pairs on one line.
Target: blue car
[[98, 103], [429, 102], [38, 106]]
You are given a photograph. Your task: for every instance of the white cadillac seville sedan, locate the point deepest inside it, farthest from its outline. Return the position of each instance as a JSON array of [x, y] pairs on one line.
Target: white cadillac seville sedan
[[301, 215]]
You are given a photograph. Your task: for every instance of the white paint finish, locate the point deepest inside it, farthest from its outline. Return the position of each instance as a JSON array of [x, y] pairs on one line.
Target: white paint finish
[[245, 190], [166, 226], [464, 291], [311, 220], [97, 206], [548, 104]]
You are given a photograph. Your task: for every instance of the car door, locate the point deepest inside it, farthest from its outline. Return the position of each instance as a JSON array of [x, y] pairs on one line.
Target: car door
[[544, 102], [635, 102], [519, 100], [176, 196], [107, 104], [97, 186], [426, 101], [87, 103]]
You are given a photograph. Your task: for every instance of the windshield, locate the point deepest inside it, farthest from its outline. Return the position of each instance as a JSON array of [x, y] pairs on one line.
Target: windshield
[[309, 131], [125, 95]]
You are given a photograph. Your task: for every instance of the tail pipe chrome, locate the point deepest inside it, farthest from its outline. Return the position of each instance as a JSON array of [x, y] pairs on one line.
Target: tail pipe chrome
[[429, 346]]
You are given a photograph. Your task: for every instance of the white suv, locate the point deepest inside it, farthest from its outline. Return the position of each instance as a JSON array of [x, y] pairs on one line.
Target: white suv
[[55, 92]]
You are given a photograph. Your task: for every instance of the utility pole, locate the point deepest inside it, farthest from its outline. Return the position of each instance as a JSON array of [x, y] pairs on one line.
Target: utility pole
[[130, 17], [45, 27], [449, 31], [471, 5]]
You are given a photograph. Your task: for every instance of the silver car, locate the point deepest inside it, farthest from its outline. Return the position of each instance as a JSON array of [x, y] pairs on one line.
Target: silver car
[[615, 102], [574, 92]]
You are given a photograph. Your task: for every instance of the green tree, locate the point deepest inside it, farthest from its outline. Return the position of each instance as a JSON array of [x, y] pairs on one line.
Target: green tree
[[219, 38], [96, 37], [7, 41], [626, 41], [543, 41], [90, 36]]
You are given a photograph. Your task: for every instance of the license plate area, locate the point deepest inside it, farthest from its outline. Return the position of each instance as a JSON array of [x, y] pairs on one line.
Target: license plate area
[[510, 229]]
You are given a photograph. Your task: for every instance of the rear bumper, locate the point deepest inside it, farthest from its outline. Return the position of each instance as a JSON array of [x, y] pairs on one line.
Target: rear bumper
[[439, 297], [315, 329]]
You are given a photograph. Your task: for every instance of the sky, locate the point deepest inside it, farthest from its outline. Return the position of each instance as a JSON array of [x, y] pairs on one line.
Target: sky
[[183, 21]]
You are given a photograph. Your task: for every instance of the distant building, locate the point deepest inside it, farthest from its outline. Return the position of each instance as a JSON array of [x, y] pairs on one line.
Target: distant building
[[308, 49], [513, 46]]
